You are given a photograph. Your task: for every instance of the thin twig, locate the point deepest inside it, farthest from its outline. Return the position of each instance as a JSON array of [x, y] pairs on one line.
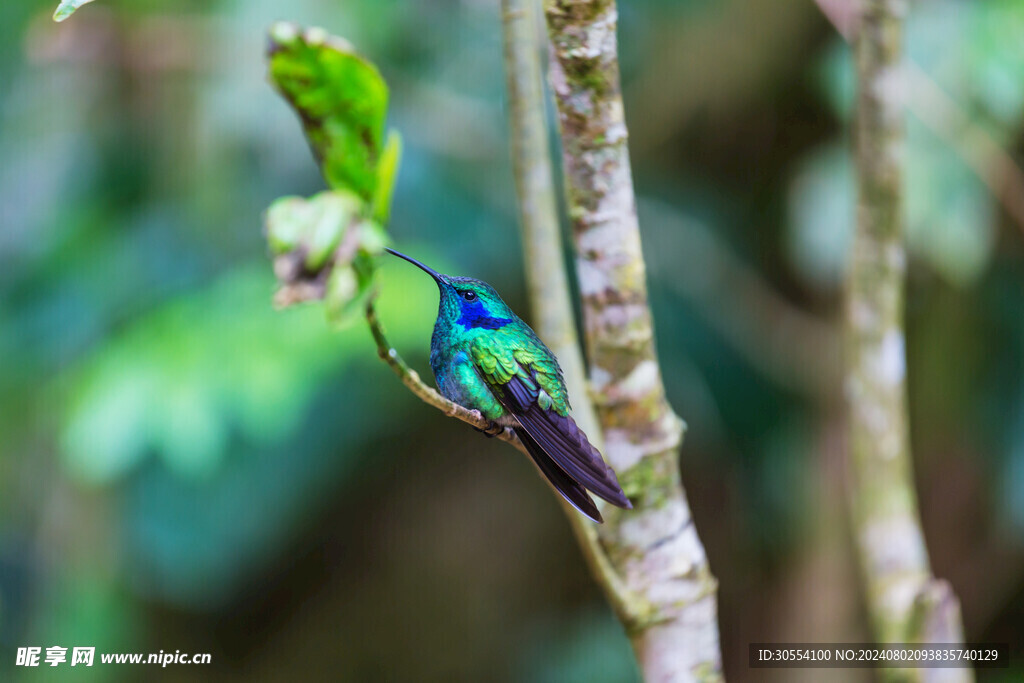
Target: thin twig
[[620, 599], [411, 379]]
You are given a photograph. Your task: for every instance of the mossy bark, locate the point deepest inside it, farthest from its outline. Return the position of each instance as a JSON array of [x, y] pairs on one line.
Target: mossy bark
[[671, 610], [544, 257], [906, 603], [546, 277]]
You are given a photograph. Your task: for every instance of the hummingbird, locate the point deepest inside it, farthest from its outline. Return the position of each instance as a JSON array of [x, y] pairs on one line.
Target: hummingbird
[[485, 358]]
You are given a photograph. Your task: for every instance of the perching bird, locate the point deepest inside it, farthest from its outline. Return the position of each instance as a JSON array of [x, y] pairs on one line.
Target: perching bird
[[485, 358]]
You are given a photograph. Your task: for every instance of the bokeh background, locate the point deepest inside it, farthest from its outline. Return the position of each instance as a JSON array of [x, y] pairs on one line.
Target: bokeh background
[[182, 467]]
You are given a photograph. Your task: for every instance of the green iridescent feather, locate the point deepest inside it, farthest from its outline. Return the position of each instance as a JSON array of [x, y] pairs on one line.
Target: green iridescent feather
[[503, 355], [485, 358]]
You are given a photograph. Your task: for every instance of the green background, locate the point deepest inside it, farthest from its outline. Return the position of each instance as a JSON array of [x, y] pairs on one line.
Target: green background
[[184, 468]]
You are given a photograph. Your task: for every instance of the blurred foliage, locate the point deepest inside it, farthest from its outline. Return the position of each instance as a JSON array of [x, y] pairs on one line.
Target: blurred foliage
[[951, 216], [67, 8], [324, 248], [183, 466], [342, 101], [950, 213], [152, 389]]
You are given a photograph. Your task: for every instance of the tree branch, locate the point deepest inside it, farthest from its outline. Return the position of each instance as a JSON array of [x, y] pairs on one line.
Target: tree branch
[[906, 603], [621, 600], [654, 548], [427, 394], [544, 260]]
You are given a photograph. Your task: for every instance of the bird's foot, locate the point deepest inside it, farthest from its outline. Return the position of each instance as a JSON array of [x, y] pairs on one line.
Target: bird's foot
[[492, 430]]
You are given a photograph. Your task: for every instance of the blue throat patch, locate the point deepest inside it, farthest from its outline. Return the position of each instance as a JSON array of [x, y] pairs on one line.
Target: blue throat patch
[[489, 323], [475, 316]]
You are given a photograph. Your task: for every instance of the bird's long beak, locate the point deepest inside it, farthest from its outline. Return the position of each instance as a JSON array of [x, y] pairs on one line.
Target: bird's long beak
[[433, 273]]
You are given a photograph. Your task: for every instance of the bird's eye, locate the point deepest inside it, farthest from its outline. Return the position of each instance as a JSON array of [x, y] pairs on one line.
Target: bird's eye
[[469, 296]]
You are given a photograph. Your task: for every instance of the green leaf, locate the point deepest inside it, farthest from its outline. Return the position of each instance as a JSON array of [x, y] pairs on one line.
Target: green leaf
[[67, 7], [342, 101], [314, 227], [387, 171], [372, 238], [323, 249], [348, 290]]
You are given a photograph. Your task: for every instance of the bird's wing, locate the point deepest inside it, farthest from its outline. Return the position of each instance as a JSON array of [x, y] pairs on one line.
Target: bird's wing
[[526, 379], [568, 487]]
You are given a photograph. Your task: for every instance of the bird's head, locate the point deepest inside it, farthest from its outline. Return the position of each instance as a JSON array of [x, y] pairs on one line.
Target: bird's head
[[470, 303]]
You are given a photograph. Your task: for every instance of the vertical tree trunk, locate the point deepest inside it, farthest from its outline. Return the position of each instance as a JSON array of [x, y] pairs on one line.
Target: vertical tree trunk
[[544, 258], [905, 602], [671, 614], [546, 276]]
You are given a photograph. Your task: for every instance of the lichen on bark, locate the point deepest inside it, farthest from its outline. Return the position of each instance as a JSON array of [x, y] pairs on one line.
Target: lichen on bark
[[544, 256], [654, 549], [905, 602]]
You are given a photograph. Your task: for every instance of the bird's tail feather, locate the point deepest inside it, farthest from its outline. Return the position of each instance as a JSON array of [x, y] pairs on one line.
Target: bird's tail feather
[[568, 487]]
